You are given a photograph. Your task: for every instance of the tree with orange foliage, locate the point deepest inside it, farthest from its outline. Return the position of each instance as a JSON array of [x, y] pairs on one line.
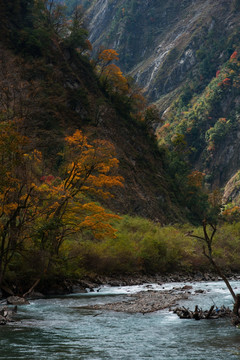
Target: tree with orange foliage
[[86, 173], [106, 57], [43, 211], [196, 178], [114, 80], [117, 85]]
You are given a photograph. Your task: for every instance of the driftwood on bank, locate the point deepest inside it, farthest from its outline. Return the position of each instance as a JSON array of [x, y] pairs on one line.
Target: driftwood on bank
[[207, 240], [199, 314]]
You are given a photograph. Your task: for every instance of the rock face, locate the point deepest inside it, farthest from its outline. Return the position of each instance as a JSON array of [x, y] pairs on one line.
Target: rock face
[[168, 46], [157, 40]]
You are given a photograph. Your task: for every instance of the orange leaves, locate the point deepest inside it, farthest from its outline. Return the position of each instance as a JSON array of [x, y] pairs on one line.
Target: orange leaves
[[225, 82], [231, 213], [118, 86], [88, 45], [108, 55], [97, 220], [139, 101], [51, 208], [196, 178], [77, 139], [234, 55], [115, 79], [222, 120], [90, 165], [88, 172]]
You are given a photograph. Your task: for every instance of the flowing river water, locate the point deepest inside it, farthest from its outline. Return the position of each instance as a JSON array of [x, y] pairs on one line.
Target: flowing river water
[[59, 329]]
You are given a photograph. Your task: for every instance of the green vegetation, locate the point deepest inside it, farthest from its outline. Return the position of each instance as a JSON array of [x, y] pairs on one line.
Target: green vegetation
[[201, 119], [52, 225], [141, 247]]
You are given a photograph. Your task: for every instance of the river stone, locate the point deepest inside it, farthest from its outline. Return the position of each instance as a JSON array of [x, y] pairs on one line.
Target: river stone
[[16, 300], [3, 320], [200, 291]]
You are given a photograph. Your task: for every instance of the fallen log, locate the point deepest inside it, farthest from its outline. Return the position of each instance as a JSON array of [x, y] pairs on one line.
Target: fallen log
[[199, 314]]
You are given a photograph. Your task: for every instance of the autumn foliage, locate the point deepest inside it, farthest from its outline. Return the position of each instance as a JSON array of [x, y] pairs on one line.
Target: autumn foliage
[[119, 86], [107, 56], [42, 210]]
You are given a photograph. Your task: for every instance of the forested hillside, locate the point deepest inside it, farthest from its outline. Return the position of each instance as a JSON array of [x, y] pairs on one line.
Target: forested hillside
[[75, 149], [86, 183], [62, 94], [184, 54]]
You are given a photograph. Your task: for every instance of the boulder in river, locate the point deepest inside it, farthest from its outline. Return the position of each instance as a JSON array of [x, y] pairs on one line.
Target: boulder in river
[[6, 315], [16, 300]]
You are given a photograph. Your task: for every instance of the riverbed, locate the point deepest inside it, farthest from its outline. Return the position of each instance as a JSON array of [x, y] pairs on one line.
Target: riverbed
[[63, 328]]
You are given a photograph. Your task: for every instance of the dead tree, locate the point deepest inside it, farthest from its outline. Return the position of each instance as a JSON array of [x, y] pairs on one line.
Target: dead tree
[[207, 240]]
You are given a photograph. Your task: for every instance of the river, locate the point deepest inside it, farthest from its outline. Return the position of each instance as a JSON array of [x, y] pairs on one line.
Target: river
[[59, 329]]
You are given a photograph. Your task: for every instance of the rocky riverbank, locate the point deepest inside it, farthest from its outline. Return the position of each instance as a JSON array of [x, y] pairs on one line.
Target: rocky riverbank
[[90, 283], [128, 280]]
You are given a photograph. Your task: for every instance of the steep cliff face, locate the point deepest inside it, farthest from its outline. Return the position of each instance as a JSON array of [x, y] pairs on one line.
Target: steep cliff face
[[174, 50], [158, 40]]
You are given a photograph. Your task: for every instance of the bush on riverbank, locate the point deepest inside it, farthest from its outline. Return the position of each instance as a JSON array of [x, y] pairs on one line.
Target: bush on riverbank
[[142, 246]]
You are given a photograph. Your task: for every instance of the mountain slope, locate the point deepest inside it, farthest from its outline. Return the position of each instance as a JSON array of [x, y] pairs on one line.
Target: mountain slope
[[158, 40], [174, 49], [59, 93]]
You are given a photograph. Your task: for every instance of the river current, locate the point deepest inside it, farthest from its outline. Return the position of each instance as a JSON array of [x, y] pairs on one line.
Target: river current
[[61, 329]]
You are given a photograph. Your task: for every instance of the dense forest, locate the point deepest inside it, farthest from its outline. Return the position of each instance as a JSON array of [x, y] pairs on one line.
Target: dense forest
[[92, 179]]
